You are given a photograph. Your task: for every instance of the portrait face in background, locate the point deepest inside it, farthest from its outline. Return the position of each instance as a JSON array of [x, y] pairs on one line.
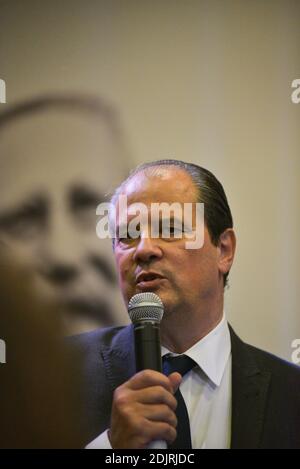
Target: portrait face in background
[[56, 166]]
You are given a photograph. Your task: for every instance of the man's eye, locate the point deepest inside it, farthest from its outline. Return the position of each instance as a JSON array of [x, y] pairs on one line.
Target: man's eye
[[86, 204], [176, 229], [22, 227], [84, 199], [172, 232], [83, 203], [127, 239]]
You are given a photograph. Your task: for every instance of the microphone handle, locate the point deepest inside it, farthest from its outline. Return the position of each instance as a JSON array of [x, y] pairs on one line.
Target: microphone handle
[[158, 444], [148, 356], [147, 346]]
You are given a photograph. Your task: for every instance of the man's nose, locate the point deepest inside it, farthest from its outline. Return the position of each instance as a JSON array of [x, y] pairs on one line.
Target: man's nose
[[59, 273], [59, 254], [148, 250]]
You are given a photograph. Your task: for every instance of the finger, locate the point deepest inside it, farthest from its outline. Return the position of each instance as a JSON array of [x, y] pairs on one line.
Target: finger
[[156, 395], [175, 379], [147, 378], [160, 431], [160, 413]]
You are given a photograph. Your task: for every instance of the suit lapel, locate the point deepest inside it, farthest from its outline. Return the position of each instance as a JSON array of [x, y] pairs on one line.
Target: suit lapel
[[118, 358], [249, 393]]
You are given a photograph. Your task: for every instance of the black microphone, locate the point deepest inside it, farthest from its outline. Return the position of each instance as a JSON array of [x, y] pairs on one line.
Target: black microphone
[[146, 311]]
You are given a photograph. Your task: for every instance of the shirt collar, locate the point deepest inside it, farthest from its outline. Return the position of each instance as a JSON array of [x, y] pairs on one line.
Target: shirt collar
[[212, 352]]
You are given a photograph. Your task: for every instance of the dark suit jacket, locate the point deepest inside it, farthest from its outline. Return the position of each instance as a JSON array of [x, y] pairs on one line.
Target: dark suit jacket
[[265, 389]]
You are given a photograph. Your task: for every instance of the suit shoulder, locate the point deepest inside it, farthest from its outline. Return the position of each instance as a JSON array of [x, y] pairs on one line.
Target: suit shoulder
[[269, 362], [104, 337], [253, 358]]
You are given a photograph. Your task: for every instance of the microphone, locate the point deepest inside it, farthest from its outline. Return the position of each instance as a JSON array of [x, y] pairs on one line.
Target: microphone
[[146, 311]]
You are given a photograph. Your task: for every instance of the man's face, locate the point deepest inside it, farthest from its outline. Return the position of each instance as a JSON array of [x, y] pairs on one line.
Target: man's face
[[189, 277], [55, 168]]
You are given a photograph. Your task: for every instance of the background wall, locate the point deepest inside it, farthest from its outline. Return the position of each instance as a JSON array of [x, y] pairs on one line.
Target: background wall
[[204, 81]]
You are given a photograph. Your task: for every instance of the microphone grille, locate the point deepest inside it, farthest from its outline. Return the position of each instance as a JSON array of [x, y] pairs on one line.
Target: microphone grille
[[145, 306]]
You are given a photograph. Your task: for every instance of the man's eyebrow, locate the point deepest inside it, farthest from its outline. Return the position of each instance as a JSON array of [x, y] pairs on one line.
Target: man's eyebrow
[[121, 227], [175, 220], [172, 218], [82, 195], [35, 205]]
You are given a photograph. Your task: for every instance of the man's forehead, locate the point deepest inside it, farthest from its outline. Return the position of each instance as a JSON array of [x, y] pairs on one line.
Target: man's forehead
[[53, 149], [160, 184], [63, 126]]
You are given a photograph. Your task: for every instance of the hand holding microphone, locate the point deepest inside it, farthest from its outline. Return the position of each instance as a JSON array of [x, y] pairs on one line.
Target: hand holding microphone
[[143, 410]]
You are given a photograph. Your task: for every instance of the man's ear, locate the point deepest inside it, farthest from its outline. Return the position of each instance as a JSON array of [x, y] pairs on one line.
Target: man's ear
[[226, 250]]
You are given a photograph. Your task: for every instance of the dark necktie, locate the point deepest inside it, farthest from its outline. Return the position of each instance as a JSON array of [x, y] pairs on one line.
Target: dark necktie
[[182, 364]]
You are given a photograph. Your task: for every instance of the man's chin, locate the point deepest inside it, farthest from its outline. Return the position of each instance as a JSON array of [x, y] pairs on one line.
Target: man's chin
[[167, 299], [74, 324], [165, 295], [89, 313]]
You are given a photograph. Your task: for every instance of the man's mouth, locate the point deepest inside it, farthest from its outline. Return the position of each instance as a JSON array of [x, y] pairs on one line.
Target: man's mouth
[[98, 310], [148, 280]]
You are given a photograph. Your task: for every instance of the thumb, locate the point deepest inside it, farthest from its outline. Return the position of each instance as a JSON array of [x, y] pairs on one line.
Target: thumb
[[175, 380]]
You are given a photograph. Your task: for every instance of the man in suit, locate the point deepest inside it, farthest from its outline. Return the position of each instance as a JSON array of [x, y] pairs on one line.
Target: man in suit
[[218, 392]]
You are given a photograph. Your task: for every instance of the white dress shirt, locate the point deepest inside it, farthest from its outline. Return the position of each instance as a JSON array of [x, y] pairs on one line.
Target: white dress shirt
[[206, 390]]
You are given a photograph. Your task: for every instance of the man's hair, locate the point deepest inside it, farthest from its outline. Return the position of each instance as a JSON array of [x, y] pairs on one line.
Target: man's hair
[[71, 102], [217, 213], [87, 105]]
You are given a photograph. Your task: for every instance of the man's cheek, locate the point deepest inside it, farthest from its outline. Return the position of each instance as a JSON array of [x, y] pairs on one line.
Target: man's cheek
[[126, 281]]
